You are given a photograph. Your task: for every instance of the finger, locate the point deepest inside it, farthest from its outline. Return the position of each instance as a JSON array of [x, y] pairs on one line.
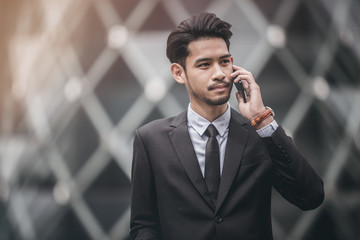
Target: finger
[[238, 70], [239, 75], [235, 78], [242, 74], [235, 67], [242, 71], [245, 84], [247, 88], [249, 82], [244, 79], [239, 97], [235, 73]]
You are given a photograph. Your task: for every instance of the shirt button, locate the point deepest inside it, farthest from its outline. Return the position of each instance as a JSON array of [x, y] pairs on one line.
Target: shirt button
[[218, 219]]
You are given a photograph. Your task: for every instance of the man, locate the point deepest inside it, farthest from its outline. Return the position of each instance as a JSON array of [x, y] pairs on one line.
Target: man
[[177, 194]]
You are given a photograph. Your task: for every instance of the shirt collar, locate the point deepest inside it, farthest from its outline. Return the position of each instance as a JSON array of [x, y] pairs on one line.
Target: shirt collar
[[200, 124]]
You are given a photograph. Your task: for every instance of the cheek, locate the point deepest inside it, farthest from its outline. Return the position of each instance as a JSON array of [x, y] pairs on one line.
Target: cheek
[[198, 81], [202, 86]]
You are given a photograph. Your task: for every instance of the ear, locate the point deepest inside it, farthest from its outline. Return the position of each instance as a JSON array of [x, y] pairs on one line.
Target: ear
[[178, 73]]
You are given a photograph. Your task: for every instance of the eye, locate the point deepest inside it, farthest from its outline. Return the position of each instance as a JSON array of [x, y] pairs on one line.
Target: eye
[[225, 61], [203, 65]]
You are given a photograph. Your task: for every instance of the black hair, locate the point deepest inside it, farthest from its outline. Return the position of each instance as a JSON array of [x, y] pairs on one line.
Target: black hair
[[197, 26]]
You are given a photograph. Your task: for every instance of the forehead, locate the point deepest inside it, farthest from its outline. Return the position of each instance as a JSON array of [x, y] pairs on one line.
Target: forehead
[[207, 47]]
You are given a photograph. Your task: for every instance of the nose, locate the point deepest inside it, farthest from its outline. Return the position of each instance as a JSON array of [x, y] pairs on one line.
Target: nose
[[218, 74]]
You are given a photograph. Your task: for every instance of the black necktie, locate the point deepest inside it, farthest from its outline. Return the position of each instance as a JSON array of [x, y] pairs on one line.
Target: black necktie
[[212, 162]]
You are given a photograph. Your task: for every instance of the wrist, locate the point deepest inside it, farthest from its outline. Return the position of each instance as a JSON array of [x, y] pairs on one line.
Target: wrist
[[258, 113], [263, 119], [264, 123]]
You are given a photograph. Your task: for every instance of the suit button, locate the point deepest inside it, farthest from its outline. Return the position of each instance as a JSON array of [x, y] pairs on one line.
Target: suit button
[[287, 157], [218, 219]]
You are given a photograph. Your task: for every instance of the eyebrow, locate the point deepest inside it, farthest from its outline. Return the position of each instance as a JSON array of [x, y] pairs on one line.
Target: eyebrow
[[207, 59]]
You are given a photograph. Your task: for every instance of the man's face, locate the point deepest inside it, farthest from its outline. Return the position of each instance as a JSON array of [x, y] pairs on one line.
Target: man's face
[[208, 69]]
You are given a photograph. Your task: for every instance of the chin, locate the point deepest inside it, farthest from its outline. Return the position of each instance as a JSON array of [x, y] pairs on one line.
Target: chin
[[218, 101]]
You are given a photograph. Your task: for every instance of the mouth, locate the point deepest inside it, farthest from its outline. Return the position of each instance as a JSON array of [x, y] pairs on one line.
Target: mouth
[[220, 86]]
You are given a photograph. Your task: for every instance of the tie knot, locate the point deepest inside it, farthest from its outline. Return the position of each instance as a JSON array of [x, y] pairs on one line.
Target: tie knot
[[211, 131]]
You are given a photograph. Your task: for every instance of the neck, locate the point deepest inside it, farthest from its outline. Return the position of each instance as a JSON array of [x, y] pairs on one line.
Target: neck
[[209, 112]]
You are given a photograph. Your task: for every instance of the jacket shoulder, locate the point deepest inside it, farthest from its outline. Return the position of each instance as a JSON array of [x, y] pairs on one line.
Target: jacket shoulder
[[162, 124]]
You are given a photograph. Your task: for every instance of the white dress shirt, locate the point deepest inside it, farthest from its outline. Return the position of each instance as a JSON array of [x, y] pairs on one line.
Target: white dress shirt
[[197, 126]]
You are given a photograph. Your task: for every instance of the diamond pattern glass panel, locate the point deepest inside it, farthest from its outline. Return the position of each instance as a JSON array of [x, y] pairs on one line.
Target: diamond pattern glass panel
[[78, 78], [118, 90], [158, 20], [71, 145], [108, 196], [90, 27], [305, 35], [275, 80]]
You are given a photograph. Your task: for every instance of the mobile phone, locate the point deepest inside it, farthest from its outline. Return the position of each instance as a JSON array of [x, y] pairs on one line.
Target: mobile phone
[[240, 89]]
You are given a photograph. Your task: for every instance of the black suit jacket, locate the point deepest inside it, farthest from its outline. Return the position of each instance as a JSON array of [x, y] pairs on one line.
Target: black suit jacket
[[170, 199]]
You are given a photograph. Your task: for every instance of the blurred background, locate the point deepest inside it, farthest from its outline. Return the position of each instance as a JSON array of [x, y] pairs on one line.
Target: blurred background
[[77, 77]]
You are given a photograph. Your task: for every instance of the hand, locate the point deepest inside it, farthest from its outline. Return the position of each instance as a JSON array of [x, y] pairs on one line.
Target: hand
[[254, 105]]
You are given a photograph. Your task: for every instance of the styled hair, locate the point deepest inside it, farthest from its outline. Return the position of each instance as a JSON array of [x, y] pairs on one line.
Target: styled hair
[[202, 25]]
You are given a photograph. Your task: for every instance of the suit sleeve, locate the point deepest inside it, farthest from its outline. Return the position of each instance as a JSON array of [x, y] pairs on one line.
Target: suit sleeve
[[294, 178], [144, 223]]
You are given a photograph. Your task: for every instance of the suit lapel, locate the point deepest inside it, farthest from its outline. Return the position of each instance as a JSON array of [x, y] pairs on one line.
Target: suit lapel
[[182, 144], [235, 147]]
